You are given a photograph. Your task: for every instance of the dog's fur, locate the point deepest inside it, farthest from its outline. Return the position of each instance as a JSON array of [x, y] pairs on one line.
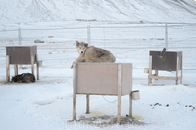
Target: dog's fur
[[93, 54], [24, 78]]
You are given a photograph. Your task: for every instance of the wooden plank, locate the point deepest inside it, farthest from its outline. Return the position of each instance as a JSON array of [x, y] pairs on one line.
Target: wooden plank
[[7, 68], [156, 73], [119, 92], [126, 79], [32, 64], [181, 69], [150, 70], [130, 105], [87, 103], [15, 69], [164, 77], [37, 66], [177, 67], [74, 91], [102, 78]]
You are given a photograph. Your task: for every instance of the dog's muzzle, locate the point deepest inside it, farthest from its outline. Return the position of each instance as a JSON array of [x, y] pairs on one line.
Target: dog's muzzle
[[80, 51]]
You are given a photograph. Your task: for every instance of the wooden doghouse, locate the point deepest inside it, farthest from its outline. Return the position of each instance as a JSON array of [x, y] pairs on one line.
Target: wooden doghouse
[[102, 79], [21, 55], [170, 61]]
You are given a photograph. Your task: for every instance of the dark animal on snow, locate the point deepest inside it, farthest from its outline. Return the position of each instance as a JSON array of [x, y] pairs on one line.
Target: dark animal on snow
[[24, 78]]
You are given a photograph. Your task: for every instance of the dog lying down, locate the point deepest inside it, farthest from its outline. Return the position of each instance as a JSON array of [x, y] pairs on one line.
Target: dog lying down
[[24, 78], [92, 54]]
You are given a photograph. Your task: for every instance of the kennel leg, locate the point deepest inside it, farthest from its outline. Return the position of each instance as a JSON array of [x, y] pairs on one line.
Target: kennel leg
[[37, 66], [150, 70], [130, 105], [32, 64], [119, 109], [7, 68], [74, 92], [74, 107], [156, 73], [177, 66], [181, 70], [87, 103], [16, 69], [119, 92]]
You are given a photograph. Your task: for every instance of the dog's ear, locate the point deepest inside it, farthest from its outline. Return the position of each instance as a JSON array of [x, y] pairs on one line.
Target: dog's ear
[[77, 43], [85, 44]]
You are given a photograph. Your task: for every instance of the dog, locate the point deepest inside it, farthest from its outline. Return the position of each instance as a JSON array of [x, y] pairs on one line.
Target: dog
[[24, 78], [92, 54]]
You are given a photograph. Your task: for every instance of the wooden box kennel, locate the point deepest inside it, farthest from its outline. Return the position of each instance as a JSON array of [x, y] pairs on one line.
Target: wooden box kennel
[[170, 61], [19, 55], [103, 79]]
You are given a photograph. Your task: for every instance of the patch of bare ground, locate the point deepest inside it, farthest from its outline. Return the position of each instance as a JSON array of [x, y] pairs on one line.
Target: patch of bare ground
[[107, 120]]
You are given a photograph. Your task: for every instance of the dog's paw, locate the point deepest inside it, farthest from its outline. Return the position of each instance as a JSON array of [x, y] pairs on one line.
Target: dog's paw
[[73, 65]]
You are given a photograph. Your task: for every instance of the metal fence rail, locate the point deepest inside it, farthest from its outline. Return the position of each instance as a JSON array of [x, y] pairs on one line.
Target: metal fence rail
[[134, 41]]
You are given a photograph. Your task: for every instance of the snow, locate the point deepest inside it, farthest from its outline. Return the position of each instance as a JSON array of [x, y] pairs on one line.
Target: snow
[[20, 11], [47, 103]]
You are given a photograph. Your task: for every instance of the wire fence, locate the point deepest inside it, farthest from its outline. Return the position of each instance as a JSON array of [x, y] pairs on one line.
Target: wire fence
[[138, 40], [129, 43]]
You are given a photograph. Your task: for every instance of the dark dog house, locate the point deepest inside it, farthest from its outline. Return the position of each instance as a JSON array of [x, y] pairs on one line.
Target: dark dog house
[[19, 55], [165, 61]]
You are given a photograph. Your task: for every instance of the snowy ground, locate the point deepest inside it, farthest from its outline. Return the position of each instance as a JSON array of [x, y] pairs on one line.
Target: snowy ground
[[47, 103]]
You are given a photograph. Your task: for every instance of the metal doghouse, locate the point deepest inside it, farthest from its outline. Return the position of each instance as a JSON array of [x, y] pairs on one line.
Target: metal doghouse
[[165, 61]]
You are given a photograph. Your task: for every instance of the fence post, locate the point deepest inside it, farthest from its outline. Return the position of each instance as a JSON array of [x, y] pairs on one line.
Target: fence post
[[19, 36], [89, 35], [166, 36]]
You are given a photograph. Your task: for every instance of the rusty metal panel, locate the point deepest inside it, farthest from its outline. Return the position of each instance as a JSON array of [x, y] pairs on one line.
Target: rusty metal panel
[[102, 78], [168, 62], [21, 54]]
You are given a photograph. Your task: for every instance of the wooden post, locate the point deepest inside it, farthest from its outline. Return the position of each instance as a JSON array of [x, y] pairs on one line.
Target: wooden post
[[181, 70], [89, 35], [150, 70], [166, 36], [37, 66], [130, 105], [19, 36], [74, 91], [32, 64], [177, 69], [7, 68], [119, 92], [156, 73], [16, 69], [87, 104]]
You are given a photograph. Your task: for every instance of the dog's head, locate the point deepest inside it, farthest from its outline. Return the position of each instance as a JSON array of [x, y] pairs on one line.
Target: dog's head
[[16, 78], [81, 47]]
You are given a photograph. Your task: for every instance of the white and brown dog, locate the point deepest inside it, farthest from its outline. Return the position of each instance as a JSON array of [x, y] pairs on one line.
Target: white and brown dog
[[92, 54]]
